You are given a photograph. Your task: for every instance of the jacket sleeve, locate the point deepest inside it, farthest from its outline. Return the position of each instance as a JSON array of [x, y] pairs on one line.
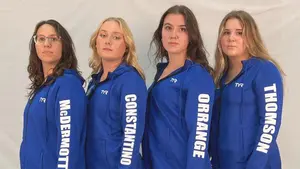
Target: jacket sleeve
[[198, 108], [71, 125], [133, 108], [268, 88]]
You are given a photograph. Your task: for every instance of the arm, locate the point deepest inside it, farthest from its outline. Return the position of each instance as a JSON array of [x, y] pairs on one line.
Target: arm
[[269, 95], [71, 126], [133, 109], [198, 108]]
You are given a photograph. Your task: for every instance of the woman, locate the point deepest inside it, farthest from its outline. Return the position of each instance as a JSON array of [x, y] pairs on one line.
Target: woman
[[181, 96], [54, 118], [117, 99], [247, 118]]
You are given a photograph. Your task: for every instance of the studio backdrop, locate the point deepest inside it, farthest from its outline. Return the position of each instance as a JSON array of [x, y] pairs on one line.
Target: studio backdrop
[[278, 20]]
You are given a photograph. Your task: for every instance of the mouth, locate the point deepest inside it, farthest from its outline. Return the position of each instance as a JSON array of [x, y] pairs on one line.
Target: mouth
[[231, 47], [107, 49], [47, 52], [173, 43]]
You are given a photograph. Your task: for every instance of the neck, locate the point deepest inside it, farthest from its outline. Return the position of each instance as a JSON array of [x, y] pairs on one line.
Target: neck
[[47, 69], [176, 60], [109, 66]]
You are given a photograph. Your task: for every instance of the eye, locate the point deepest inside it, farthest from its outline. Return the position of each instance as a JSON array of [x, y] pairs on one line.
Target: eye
[[41, 39], [102, 35], [226, 33], [167, 27], [183, 30], [115, 37], [239, 33], [53, 39]]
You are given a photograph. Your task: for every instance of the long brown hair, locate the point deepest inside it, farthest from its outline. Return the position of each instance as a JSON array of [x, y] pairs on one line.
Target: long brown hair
[[195, 50], [254, 43], [68, 59]]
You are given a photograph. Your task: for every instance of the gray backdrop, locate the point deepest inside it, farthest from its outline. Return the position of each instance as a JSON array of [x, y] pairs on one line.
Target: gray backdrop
[[278, 20]]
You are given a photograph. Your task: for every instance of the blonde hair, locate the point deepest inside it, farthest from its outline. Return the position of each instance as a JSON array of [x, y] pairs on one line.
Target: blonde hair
[[130, 56], [254, 44]]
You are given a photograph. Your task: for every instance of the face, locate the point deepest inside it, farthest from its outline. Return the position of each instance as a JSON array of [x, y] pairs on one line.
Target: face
[[174, 34], [110, 41], [48, 45], [232, 42]]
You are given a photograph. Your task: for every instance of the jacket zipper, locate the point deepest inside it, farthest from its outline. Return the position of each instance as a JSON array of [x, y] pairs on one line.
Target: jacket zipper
[[170, 75], [219, 112], [154, 84], [26, 115], [94, 86]]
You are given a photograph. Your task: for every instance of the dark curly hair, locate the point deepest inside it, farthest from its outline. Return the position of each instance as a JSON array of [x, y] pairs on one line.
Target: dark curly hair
[[68, 59]]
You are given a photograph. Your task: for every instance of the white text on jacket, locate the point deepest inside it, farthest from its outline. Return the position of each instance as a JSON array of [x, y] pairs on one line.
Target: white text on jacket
[[130, 129], [202, 126], [270, 119], [65, 129]]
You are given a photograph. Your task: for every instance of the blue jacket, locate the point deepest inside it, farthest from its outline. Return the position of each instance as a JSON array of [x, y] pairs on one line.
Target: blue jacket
[[55, 125], [247, 117], [116, 120], [178, 119]]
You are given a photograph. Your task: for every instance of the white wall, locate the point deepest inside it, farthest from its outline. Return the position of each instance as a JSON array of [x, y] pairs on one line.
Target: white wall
[[279, 22]]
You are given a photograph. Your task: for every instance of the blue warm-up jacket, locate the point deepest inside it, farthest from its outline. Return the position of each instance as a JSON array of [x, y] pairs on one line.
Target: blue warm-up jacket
[[116, 119], [247, 117], [55, 125], [178, 119]]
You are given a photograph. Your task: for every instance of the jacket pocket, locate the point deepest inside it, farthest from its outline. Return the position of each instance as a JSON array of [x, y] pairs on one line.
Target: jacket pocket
[[242, 147], [167, 147], [96, 153], [42, 160], [104, 152]]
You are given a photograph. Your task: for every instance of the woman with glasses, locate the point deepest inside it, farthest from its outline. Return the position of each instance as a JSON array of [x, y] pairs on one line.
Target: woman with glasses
[[54, 117], [117, 99]]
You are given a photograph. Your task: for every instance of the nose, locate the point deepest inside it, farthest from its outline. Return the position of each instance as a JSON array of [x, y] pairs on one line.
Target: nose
[[108, 40], [174, 34], [232, 37], [47, 43]]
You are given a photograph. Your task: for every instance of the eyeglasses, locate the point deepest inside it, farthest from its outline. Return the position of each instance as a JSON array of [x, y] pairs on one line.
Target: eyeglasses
[[40, 40]]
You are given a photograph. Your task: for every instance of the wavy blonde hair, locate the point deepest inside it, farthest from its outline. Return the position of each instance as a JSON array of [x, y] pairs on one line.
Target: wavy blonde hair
[[254, 44], [130, 56]]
